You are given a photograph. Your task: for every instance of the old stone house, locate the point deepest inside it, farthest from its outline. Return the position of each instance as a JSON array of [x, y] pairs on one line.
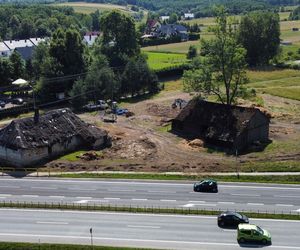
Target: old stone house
[[231, 127], [35, 140]]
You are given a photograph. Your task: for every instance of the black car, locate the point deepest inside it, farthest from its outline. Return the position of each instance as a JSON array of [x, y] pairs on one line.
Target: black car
[[231, 219], [2, 104], [18, 101], [206, 186]]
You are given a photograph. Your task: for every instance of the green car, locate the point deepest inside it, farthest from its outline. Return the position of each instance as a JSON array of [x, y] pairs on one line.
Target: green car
[[252, 233]]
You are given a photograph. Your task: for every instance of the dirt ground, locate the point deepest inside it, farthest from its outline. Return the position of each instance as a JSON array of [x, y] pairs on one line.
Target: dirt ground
[[142, 142]]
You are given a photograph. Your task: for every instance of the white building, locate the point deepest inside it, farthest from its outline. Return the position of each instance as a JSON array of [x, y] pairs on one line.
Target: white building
[[189, 16], [4, 50]]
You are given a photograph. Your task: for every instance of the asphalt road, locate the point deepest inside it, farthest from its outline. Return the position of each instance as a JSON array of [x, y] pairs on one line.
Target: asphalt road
[[250, 197], [136, 230]]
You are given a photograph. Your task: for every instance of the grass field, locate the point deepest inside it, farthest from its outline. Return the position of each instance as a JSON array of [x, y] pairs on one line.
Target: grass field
[[164, 60], [87, 8]]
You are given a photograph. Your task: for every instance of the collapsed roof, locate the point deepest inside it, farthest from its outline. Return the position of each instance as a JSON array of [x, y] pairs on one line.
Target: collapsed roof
[[217, 121], [56, 126]]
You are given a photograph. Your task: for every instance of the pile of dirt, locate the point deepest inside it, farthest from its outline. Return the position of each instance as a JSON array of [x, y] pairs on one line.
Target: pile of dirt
[[162, 110], [197, 143], [140, 148], [90, 156]]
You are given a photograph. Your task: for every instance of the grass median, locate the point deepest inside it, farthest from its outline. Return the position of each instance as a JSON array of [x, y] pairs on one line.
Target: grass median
[[280, 179], [36, 246], [152, 210]]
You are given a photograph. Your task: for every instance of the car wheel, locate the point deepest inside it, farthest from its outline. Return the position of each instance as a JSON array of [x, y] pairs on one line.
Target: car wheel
[[222, 224], [264, 241], [215, 190], [241, 240]]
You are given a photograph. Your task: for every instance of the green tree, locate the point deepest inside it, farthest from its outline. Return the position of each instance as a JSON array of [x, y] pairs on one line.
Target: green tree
[[223, 70], [5, 71], [39, 56], [78, 94], [259, 33], [192, 53], [119, 41], [173, 18], [96, 20], [17, 65]]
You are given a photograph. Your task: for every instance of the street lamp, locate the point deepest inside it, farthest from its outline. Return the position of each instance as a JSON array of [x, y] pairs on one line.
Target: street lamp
[[91, 232]]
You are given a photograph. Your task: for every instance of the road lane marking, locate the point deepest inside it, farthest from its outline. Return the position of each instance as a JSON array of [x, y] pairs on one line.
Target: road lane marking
[[137, 226], [29, 195], [47, 188], [9, 187], [249, 195], [226, 202], [112, 199], [84, 198], [284, 205], [121, 190], [52, 222], [57, 196], [138, 240], [135, 199], [255, 204], [286, 196], [168, 200], [5, 195], [82, 189], [163, 192], [197, 201]]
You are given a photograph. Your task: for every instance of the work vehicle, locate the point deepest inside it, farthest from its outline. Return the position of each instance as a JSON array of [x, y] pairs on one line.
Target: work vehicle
[[231, 219], [253, 234], [206, 186]]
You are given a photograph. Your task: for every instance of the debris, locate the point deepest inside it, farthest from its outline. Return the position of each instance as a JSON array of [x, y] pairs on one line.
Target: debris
[[197, 143], [89, 156]]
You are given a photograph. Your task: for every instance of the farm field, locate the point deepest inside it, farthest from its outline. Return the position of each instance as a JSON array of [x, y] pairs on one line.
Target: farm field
[[87, 8], [158, 60]]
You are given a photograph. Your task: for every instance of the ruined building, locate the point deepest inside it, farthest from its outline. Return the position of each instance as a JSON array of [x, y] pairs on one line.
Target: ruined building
[[227, 126], [32, 141]]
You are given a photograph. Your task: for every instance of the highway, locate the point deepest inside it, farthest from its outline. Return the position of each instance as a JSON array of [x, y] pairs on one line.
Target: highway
[[136, 230], [250, 197]]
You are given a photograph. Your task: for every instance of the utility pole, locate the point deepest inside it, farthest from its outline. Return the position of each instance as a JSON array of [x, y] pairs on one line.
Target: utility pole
[[91, 232], [236, 163]]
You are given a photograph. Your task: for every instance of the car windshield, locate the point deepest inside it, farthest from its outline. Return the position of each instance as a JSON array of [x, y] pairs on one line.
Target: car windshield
[[259, 230], [238, 215]]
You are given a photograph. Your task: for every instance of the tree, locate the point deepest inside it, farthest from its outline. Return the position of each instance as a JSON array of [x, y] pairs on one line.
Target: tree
[[17, 64], [119, 41], [78, 94], [96, 20], [192, 52], [40, 53], [173, 18], [259, 33], [222, 71], [5, 71]]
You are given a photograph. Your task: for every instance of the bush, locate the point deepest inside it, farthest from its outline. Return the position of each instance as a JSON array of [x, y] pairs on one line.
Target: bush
[[194, 36]]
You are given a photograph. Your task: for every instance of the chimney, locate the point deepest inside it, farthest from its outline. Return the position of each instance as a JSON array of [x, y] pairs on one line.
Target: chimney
[[90, 37], [36, 115]]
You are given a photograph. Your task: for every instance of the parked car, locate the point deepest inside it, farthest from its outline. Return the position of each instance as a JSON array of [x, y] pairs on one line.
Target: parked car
[[18, 101], [120, 111], [100, 105], [231, 219], [2, 104], [206, 186], [253, 234]]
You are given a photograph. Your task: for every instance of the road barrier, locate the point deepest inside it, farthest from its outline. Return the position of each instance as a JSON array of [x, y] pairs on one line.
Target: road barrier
[[143, 209]]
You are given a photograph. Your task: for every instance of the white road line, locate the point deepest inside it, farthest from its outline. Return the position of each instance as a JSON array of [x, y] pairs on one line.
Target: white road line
[[52, 222], [137, 226], [226, 202], [47, 188], [29, 195], [287, 196], [9, 187], [197, 201], [111, 198], [284, 205], [255, 204], [5, 195], [121, 190], [168, 200], [139, 199], [164, 192], [82, 189], [86, 198], [249, 195], [206, 204], [57, 196]]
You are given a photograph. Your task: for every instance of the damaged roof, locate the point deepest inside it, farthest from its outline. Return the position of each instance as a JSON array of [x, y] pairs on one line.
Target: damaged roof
[[56, 126], [217, 121]]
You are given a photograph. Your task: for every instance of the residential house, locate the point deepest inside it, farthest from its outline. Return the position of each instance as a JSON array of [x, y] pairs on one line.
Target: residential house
[[189, 16], [36, 140], [4, 50], [90, 37], [231, 127], [164, 18], [152, 27], [169, 30]]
